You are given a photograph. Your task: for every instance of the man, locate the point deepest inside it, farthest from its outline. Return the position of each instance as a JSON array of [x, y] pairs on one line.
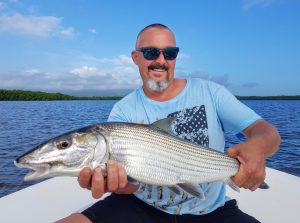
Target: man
[[203, 110]]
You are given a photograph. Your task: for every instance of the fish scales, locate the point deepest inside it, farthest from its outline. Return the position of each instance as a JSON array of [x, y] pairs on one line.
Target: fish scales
[[181, 146], [188, 147], [152, 156], [195, 149]]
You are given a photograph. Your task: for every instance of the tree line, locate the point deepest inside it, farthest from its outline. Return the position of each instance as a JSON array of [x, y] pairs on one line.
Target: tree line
[[281, 97], [21, 95]]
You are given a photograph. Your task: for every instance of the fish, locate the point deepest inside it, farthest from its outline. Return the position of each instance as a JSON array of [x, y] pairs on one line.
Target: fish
[[150, 154]]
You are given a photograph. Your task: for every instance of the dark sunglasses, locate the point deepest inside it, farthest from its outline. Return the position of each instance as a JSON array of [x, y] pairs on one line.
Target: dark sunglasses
[[152, 53]]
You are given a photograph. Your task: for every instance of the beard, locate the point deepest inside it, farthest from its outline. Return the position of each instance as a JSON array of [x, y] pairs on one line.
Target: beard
[[158, 86]]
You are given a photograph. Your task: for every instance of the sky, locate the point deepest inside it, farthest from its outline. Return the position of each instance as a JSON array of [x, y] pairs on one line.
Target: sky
[[83, 47]]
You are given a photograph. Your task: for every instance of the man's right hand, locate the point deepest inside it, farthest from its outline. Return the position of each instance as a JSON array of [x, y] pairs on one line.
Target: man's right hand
[[116, 180]]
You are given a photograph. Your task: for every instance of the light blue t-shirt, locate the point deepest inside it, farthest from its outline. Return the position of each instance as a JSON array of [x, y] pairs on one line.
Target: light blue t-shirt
[[204, 111]]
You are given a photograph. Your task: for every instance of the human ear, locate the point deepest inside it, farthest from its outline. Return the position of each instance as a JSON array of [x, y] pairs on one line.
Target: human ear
[[134, 56]]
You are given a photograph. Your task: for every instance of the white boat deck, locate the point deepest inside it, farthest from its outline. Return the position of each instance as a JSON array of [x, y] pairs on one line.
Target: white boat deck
[[61, 196]]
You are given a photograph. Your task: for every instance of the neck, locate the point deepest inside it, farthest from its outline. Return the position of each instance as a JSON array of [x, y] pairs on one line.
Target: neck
[[174, 89]]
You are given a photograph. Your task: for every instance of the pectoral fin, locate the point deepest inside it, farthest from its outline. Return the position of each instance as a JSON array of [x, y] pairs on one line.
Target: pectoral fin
[[194, 190], [132, 181], [175, 189], [231, 184], [263, 185]]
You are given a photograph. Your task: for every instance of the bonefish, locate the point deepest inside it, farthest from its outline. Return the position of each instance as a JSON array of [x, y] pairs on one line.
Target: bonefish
[[149, 154]]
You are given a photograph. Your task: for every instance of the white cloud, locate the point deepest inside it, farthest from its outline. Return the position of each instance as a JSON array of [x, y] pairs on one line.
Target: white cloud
[[183, 56], [220, 79], [68, 32], [247, 4], [97, 74], [120, 60], [108, 73], [94, 31], [32, 71], [41, 26], [85, 71]]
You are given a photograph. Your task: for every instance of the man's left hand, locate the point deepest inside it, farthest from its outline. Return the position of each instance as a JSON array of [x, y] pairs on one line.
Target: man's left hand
[[252, 171]]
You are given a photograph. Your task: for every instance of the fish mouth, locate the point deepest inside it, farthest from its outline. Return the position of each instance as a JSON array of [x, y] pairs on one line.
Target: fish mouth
[[36, 170]]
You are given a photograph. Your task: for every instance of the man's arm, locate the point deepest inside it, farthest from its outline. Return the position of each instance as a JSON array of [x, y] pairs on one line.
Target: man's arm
[[263, 140]]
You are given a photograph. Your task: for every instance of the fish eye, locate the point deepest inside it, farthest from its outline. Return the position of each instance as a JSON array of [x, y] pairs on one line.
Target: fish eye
[[63, 145]]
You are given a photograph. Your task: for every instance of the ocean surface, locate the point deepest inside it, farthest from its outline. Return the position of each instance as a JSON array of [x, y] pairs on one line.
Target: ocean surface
[[25, 124]]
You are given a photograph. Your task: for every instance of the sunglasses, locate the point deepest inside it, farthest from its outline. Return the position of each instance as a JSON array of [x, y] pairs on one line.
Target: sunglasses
[[152, 53]]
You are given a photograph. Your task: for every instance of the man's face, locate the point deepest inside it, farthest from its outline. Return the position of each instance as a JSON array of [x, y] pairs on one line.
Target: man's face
[[156, 74]]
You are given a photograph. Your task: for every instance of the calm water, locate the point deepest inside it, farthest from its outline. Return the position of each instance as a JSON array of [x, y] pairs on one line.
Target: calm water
[[26, 124]]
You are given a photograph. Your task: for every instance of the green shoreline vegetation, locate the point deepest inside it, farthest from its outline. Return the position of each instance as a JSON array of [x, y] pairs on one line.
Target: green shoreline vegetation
[[21, 95], [281, 97]]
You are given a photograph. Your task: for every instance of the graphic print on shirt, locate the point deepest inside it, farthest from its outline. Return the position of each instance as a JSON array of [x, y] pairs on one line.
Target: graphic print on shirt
[[191, 125]]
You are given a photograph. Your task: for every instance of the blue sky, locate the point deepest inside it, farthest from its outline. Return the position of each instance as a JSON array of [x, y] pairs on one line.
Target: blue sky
[[83, 46]]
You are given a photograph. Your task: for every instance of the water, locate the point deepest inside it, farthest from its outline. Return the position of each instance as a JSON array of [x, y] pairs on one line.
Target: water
[[26, 124]]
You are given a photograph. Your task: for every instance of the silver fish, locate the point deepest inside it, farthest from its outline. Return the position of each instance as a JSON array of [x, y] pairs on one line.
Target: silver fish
[[149, 154]]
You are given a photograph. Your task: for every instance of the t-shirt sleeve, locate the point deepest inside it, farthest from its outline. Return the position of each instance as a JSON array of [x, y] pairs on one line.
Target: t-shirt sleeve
[[233, 114], [117, 115]]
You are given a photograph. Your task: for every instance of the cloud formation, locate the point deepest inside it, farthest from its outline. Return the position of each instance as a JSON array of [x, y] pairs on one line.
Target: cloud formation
[[94, 31], [85, 71], [109, 74], [220, 79], [40, 26]]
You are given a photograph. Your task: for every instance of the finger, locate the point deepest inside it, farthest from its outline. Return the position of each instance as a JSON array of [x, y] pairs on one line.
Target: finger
[[85, 177], [97, 186], [233, 152], [122, 176], [248, 185], [241, 177], [247, 179], [259, 179], [128, 189], [112, 176], [253, 188]]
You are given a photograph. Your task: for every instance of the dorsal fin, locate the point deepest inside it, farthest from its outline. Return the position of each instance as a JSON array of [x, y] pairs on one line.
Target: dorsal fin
[[164, 124]]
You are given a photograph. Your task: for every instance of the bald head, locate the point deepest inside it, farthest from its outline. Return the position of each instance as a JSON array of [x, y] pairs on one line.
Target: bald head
[[157, 26]]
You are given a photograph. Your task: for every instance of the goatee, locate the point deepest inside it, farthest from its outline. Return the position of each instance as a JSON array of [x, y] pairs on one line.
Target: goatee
[[158, 86]]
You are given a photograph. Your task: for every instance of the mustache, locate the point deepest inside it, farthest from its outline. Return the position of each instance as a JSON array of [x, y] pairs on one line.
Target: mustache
[[158, 66]]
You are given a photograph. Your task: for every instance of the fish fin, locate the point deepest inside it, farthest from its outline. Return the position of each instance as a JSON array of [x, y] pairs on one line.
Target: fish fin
[[192, 189], [263, 185], [175, 189], [231, 184], [132, 181], [164, 124]]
